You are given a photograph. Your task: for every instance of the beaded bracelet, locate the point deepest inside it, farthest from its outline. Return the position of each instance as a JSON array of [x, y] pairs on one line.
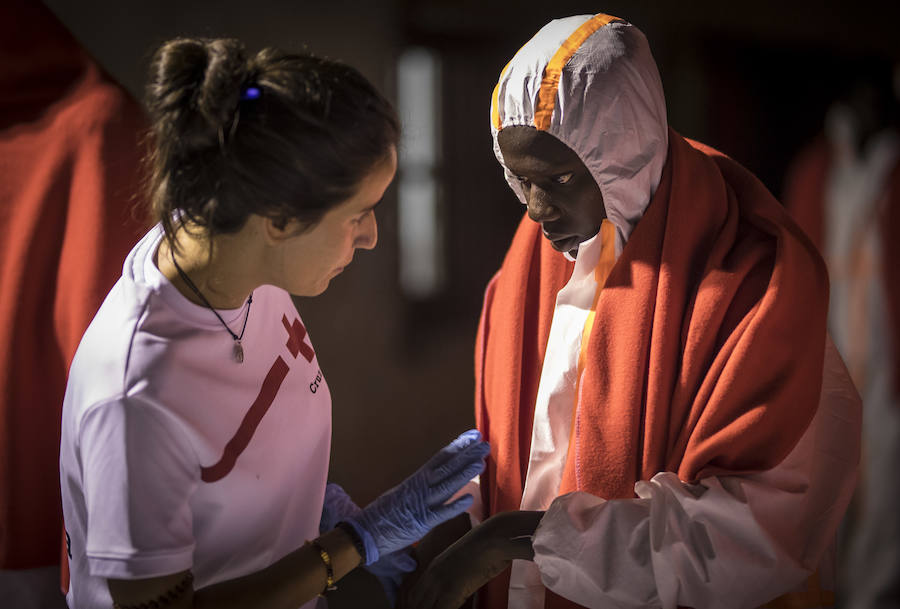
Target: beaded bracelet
[[167, 598], [329, 569]]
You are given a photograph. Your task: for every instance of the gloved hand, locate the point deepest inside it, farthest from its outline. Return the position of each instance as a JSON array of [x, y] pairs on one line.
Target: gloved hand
[[408, 511], [336, 507], [391, 568]]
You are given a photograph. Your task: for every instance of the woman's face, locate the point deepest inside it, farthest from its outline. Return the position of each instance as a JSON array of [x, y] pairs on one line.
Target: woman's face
[[310, 259], [560, 192]]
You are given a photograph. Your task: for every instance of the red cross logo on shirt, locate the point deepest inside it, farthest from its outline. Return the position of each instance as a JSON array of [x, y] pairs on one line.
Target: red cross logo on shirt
[[296, 339], [296, 344]]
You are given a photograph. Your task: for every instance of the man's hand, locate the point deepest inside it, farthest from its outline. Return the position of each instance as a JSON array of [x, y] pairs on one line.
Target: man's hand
[[475, 559]]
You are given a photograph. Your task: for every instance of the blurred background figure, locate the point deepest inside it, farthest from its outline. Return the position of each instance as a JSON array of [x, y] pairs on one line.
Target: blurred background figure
[[69, 161], [844, 189]]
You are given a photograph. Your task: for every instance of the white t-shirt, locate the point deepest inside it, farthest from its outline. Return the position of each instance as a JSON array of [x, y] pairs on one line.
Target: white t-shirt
[[173, 455]]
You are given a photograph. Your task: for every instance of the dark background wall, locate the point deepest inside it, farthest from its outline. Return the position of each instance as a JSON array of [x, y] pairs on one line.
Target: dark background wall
[[751, 78]]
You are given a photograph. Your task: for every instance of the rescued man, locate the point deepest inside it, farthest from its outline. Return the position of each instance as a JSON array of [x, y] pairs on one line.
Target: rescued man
[[670, 425]]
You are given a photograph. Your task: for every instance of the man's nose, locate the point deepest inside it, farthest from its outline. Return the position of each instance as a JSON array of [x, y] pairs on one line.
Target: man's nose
[[540, 207]]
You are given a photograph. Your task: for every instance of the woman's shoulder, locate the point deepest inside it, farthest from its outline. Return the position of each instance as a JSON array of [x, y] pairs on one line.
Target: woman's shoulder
[[107, 348], [101, 361]]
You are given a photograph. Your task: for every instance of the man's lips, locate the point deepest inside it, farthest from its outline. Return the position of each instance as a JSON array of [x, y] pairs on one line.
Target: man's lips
[[563, 243]]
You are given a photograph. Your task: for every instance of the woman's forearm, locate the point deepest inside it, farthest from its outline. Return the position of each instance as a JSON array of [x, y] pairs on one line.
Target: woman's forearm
[[288, 583], [285, 584]]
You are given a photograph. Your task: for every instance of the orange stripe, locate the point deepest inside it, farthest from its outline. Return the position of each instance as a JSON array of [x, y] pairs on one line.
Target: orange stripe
[[495, 98], [601, 272], [550, 82]]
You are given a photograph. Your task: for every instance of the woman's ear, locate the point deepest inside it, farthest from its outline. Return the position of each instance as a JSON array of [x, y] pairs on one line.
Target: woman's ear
[[279, 230]]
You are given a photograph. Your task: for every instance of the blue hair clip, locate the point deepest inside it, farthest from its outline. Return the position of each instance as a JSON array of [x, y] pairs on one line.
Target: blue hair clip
[[251, 92]]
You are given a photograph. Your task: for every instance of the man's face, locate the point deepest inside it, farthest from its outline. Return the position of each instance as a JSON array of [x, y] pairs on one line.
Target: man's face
[[560, 192]]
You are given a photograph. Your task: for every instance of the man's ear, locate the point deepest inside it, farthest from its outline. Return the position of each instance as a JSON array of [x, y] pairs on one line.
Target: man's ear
[[278, 230]]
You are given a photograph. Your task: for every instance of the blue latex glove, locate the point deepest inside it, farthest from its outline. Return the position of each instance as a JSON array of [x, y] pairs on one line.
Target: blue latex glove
[[391, 568], [390, 571], [337, 506], [408, 511]]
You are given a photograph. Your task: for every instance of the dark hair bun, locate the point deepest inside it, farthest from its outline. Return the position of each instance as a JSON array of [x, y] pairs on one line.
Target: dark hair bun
[[296, 147], [195, 87]]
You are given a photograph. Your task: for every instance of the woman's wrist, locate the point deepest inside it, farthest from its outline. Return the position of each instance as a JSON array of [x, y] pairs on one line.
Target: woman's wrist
[[355, 537], [342, 551]]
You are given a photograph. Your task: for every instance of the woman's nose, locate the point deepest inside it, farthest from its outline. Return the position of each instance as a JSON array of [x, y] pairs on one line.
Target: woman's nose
[[540, 208], [368, 234]]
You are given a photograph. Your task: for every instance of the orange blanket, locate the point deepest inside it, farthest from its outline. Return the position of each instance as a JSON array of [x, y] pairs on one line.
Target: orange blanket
[[706, 351], [69, 159]]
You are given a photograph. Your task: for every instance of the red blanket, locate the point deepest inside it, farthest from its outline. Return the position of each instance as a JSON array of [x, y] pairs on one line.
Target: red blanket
[[69, 159], [706, 352]]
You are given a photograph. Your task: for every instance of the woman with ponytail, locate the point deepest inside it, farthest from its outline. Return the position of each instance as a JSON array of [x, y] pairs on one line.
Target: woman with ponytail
[[197, 422]]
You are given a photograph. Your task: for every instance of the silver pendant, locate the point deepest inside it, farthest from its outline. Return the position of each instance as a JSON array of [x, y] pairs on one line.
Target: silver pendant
[[238, 352]]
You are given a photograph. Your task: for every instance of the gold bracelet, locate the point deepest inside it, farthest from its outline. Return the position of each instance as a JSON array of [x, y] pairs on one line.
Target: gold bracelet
[[329, 569]]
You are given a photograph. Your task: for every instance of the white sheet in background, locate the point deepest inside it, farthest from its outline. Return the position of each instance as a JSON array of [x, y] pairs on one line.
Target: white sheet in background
[[858, 317]]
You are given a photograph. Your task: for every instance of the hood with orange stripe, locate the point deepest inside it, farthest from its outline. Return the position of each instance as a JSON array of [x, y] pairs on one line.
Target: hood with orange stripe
[[591, 82]]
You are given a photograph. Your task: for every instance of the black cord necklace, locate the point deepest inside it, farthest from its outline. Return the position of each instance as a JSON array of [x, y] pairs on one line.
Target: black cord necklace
[[238, 349]]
